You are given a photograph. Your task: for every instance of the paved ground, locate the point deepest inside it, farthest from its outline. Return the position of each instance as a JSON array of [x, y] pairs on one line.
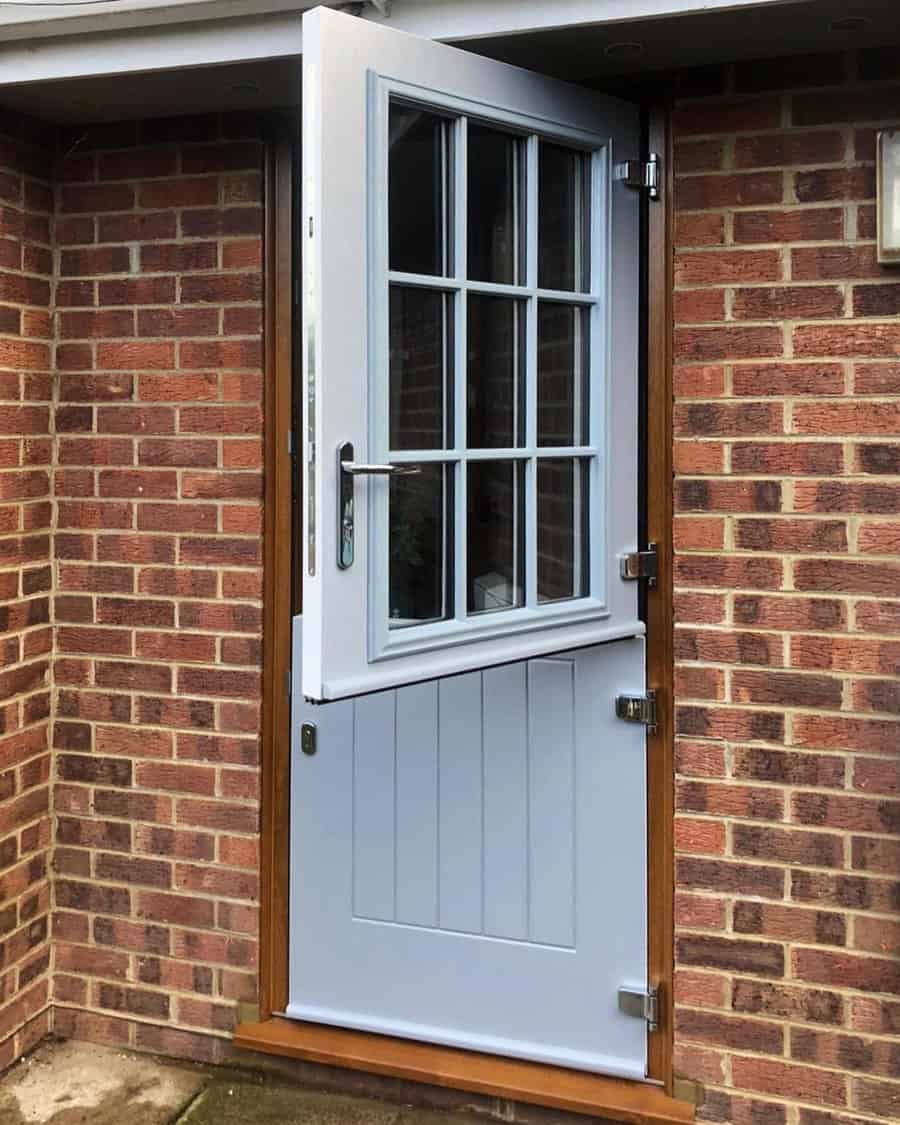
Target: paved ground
[[80, 1084]]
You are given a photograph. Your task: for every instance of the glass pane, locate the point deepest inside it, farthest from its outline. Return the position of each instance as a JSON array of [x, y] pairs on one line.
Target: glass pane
[[418, 178], [494, 206], [420, 366], [562, 541], [563, 218], [420, 525], [496, 572], [562, 386], [495, 372]]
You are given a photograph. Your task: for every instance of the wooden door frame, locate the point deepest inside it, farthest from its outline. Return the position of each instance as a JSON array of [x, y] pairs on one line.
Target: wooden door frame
[[266, 1029]]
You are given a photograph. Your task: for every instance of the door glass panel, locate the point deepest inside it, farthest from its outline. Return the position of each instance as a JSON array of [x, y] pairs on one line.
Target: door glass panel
[[562, 540], [563, 251], [495, 565], [420, 546], [495, 372], [562, 376], [418, 191], [494, 208], [420, 366]]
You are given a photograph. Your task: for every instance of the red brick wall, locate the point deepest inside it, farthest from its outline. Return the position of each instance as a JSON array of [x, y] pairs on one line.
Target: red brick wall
[[25, 579], [158, 581], [787, 591], [787, 453]]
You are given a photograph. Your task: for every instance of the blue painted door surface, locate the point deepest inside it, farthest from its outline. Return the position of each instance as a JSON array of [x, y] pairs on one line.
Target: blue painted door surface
[[468, 841], [469, 861]]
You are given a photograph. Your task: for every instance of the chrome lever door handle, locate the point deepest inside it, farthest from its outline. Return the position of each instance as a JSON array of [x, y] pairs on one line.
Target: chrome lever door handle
[[360, 469], [347, 470]]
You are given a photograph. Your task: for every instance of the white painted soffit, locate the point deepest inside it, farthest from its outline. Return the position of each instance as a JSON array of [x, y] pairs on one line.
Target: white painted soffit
[[435, 19], [145, 50]]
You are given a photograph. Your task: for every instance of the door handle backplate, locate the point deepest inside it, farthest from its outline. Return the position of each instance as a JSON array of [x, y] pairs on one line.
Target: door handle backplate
[[347, 469]]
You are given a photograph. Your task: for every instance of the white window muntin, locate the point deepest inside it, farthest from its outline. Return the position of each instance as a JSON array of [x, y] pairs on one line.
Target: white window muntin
[[464, 627]]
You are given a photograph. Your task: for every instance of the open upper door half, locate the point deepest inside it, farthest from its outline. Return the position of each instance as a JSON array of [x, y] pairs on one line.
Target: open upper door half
[[470, 358]]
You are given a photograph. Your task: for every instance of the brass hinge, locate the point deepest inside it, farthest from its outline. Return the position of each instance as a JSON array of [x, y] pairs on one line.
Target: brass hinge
[[638, 709], [642, 1003], [642, 175], [641, 564]]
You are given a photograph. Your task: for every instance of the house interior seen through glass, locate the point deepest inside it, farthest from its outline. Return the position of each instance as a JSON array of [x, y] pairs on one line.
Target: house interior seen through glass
[[489, 312]]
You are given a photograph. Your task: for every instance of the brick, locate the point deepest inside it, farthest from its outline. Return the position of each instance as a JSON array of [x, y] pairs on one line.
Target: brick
[[845, 970], [880, 1098], [95, 262], [97, 197], [699, 229], [698, 836], [130, 869], [222, 222], [827, 263], [805, 302], [221, 157], [876, 1015], [134, 291], [727, 266], [698, 193], [847, 418], [853, 892], [729, 800], [721, 116], [783, 767], [787, 458], [729, 723], [788, 923], [801, 1082], [178, 322], [878, 617], [137, 227], [807, 536], [696, 306], [789, 1002], [876, 855], [726, 876], [698, 1064], [826, 184], [159, 907], [811, 849], [786, 689], [727, 496], [779, 149], [745, 342], [849, 577], [873, 104], [182, 192], [174, 257], [877, 378], [877, 458], [728, 954]]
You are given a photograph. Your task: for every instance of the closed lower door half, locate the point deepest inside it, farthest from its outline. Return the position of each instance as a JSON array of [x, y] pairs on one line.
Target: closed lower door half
[[469, 861]]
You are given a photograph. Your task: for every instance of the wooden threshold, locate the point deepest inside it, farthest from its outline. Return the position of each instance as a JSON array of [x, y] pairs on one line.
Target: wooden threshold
[[557, 1087]]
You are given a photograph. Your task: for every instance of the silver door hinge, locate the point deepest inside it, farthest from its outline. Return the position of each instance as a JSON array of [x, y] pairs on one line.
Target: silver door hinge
[[641, 1003], [641, 564], [642, 175], [638, 709]]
